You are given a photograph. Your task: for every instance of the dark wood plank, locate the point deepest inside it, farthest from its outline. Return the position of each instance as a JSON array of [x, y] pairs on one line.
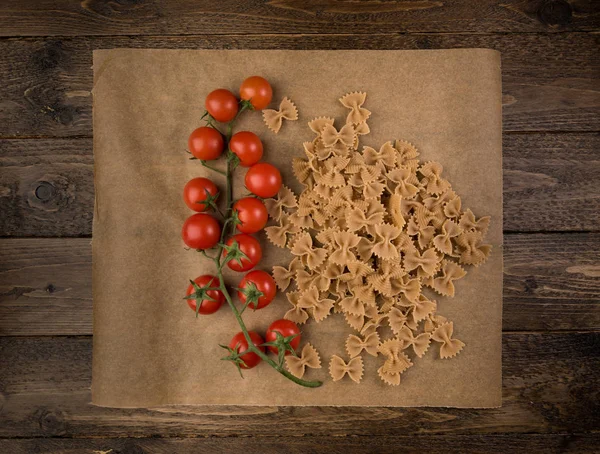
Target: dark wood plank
[[550, 386], [46, 185], [551, 182], [550, 283], [98, 17], [550, 82], [536, 443]]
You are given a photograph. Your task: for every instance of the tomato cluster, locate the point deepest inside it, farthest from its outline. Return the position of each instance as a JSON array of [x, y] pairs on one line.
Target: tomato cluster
[[279, 328], [241, 251]]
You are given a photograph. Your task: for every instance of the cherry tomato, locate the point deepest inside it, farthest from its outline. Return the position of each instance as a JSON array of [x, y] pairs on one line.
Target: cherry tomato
[[222, 105], [198, 190], [263, 282], [247, 146], [252, 214], [286, 328], [206, 143], [258, 91], [206, 305], [263, 179], [249, 246], [201, 231], [239, 344]]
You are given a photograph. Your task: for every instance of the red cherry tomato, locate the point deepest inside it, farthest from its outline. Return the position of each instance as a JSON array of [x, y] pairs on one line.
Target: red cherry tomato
[[258, 91], [239, 344], [286, 328], [206, 143], [263, 179], [247, 146], [252, 214], [263, 282], [222, 105], [206, 305], [201, 231], [249, 246], [198, 190]]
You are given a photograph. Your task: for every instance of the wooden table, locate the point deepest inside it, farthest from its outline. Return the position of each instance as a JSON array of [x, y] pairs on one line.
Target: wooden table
[[551, 71]]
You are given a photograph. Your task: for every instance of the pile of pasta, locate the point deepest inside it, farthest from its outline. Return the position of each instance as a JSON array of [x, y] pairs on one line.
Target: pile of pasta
[[370, 232]]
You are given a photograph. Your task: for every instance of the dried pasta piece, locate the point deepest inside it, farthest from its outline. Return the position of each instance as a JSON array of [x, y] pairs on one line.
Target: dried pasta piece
[[376, 320], [384, 158], [472, 252], [408, 287], [396, 362], [354, 102], [426, 264], [331, 174], [419, 343], [432, 322], [338, 140], [358, 219], [406, 154], [285, 199], [318, 124], [278, 234], [345, 241], [432, 171], [400, 181], [283, 276], [274, 118], [384, 247], [398, 319], [338, 368], [386, 279], [452, 208], [373, 189], [468, 223], [355, 345], [393, 207], [444, 284], [443, 242], [420, 308], [450, 347], [360, 129], [296, 314], [424, 234], [311, 256], [388, 377], [311, 299], [309, 357], [352, 304]]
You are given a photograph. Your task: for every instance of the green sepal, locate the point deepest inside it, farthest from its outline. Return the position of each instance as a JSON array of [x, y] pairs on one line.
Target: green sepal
[[235, 357], [234, 253], [200, 295], [252, 294]]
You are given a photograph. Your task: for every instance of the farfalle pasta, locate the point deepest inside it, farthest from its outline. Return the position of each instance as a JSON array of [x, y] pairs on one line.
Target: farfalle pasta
[[376, 234], [274, 118]]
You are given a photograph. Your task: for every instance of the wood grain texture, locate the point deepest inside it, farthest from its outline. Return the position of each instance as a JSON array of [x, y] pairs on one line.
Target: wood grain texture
[[550, 83], [550, 184], [383, 444], [550, 283], [550, 385], [134, 17]]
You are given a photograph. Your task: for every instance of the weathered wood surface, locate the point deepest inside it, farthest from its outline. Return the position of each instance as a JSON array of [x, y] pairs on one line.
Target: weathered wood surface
[[382, 444], [550, 184], [551, 282], [550, 381], [96, 17], [550, 83]]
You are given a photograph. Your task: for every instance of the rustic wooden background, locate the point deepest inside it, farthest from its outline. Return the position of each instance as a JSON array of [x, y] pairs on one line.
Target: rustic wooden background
[[551, 72]]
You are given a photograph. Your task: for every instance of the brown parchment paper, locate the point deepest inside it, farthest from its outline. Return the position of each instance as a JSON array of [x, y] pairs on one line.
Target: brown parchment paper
[[149, 349]]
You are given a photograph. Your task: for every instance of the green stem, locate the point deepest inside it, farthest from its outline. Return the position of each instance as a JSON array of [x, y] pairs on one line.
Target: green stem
[[253, 348], [212, 168], [220, 263]]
